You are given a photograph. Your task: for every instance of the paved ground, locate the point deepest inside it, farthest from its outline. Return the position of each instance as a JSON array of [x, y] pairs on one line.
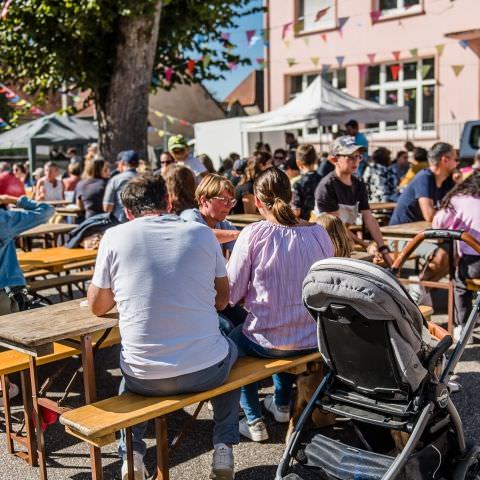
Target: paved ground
[[69, 459]]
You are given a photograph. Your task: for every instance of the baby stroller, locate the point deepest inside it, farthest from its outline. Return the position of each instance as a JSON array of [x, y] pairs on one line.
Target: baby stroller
[[388, 379]]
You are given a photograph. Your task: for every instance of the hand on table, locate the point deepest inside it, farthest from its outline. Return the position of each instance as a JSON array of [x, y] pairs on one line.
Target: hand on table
[[8, 200]]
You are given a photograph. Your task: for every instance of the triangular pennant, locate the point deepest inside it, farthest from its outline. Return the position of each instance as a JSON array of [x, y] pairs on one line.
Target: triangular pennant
[[285, 29], [425, 70], [161, 133], [232, 65], [250, 34], [306, 40], [324, 37], [291, 62], [375, 15], [321, 13], [206, 60], [325, 68], [463, 43], [395, 69], [457, 69], [342, 21], [440, 48], [168, 74], [191, 66], [371, 57], [287, 43], [340, 60], [261, 63], [414, 52], [225, 36], [158, 114], [396, 55], [297, 27], [171, 118], [362, 70], [315, 61]]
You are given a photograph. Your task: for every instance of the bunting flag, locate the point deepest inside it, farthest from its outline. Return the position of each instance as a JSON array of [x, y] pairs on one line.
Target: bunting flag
[[315, 61], [3, 123], [457, 69], [232, 65], [161, 133], [306, 40], [362, 70], [341, 23], [324, 37], [5, 9], [395, 69], [285, 29], [297, 27], [16, 100], [261, 63], [287, 43], [321, 13], [170, 118], [250, 34], [225, 36], [340, 60], [396, 55], [414, 52], [371, 57], [325, 68], [440, 48], [464, 43], [291, 62], [168, 74], [375, 15], [190, 66], [206, 60], [425, 70]]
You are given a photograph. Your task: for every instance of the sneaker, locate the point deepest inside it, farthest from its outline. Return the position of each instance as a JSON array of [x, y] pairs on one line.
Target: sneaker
[[139, 470], [222, 463], [281, 414], [13, 391], [257, 431], [420, 295]]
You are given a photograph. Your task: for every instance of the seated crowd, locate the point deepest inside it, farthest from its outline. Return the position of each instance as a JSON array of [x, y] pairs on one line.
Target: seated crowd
[[185, 313]]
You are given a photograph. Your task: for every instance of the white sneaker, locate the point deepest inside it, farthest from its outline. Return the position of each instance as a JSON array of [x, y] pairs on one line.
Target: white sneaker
[[420, 295], [222, 463], [13, 391], [281, 414], [257, 431], [139, 470]]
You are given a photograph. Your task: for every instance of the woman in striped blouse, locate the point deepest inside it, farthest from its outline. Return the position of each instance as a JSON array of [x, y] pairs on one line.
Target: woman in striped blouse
[[266, 269]]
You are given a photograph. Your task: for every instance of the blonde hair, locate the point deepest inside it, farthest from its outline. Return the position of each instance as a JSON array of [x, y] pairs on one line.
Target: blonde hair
[[338, 233], [213, 185]]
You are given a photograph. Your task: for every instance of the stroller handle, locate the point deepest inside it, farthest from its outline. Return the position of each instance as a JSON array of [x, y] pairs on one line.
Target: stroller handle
[[459, 235]]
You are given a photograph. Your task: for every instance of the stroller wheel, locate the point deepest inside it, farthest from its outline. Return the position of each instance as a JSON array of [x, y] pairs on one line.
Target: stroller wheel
[[468, 468]]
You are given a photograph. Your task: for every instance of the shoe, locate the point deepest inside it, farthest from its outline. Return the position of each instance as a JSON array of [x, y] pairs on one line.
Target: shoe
[[257, 431], [222, 463], [139, 470], [420, 295], [13, 391], [281, 414]]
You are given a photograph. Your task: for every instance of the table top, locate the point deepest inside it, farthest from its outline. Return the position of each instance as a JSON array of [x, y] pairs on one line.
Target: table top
[[382, 206], [45, 228], [34, 331], [69, 209], [243, 219], [405, 230], [54, 257], [57, 203]]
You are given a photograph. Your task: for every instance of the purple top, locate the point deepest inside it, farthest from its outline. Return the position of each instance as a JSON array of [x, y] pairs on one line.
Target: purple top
[[267, 268], [464, 214]]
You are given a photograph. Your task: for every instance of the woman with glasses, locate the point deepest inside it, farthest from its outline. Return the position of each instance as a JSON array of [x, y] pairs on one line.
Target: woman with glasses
[[166, 161]]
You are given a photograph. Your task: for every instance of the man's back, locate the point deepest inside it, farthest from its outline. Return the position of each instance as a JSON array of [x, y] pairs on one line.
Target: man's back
[[114, 189], [162, 271]]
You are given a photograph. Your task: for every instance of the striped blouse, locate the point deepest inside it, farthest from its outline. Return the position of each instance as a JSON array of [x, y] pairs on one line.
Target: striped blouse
[[267, 268]]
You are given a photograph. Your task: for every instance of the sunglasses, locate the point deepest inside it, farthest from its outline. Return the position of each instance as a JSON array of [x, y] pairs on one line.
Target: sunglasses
[[167, 162], [228, 202]]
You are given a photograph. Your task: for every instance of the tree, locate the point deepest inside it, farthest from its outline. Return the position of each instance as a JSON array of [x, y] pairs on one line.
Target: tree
[[118, 50]]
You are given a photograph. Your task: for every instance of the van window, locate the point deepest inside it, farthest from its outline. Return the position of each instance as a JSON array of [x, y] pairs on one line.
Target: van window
[[475, 137]]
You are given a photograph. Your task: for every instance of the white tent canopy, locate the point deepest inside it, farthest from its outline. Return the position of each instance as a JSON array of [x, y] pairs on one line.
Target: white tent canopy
[[322, 104]]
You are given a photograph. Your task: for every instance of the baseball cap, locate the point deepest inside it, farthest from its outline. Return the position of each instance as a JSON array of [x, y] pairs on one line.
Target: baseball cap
[[177, 141], [130, 157], [239, 165], [344, 145]]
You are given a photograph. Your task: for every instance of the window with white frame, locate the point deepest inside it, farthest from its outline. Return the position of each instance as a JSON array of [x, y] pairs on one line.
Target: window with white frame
[[394, 7], [314, 15], [410, 83]]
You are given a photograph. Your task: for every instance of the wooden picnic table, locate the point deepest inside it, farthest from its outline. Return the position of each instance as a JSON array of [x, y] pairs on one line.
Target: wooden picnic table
[[244, 219], [54, 259], [404, 231], [374, 206], [57, 203], [47, 231], [34, 332]]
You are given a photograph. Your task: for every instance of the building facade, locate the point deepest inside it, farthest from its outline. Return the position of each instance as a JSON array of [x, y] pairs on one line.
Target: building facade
[[420, 53]]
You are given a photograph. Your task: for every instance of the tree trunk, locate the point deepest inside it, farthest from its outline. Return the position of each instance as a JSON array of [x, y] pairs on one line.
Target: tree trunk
[[122, 107]]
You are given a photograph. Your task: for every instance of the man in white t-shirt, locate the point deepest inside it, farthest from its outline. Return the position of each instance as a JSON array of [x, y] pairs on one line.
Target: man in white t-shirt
[[167, 278], [178, 148]]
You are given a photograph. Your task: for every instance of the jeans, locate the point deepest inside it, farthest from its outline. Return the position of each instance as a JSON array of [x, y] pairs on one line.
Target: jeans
[[225, 407], [282, 382], [468, 267]]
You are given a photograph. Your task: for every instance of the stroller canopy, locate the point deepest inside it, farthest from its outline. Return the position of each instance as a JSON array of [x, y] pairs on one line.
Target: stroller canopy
[[377, 295]]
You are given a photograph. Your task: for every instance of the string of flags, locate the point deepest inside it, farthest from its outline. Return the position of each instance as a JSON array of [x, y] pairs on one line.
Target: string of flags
[[16, 101], [171, 118]]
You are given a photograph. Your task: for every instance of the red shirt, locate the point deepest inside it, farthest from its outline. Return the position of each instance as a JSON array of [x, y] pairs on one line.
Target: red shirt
[[70, 183], [11, 185]]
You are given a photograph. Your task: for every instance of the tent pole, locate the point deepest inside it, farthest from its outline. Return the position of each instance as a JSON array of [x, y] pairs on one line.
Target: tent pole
[[31, 157]]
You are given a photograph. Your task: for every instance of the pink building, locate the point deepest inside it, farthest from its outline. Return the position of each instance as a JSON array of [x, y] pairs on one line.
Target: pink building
[[420, 53]]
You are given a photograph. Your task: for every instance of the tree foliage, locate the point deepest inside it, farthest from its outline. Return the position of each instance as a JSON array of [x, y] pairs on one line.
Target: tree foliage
[[45, 44]]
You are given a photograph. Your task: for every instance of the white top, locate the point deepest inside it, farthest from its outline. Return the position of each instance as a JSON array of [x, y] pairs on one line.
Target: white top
[[161, 270], [53, 192], [195, 165]]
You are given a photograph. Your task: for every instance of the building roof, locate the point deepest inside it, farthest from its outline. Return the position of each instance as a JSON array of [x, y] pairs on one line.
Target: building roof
[[249, 93]]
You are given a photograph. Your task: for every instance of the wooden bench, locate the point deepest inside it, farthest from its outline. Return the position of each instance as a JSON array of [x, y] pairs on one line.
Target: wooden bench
[[74, 278], [12, 361], [98, 422]]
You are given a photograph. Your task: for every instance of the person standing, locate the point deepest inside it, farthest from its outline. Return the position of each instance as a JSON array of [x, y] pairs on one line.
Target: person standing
[[352, 129], [171, 342], [178, 148]]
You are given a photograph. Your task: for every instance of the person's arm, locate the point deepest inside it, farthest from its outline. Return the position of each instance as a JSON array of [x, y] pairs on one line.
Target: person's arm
[[40, 190], [223, 293], [372, 226], [225, 236], [239, 267], [100, 300], [109, 197], [427, 208]]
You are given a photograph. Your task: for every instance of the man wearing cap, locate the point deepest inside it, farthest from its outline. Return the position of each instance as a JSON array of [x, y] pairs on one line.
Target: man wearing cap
[[344, 195], [178, 147], [127, 165]]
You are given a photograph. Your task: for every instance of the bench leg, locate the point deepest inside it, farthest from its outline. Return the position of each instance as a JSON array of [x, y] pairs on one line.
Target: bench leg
[[7, 413], [38, 419], [128, 443], [186, 426], [162, 448], [29, 426]]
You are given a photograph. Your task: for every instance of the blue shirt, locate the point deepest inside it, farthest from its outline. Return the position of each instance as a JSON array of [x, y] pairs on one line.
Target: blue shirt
[[12, 223], [422, 186], [113, 190], [194, 215]]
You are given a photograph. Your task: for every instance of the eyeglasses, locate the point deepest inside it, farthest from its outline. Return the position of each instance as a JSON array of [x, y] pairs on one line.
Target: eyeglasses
[[354, 157], [167, 162], [228, 202]]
